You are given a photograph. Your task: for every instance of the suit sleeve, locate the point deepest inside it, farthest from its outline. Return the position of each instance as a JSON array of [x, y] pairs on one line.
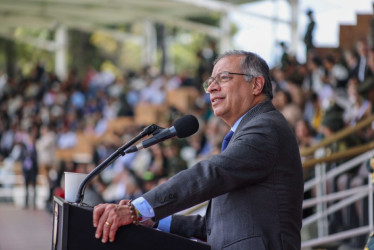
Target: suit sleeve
[[192, 226], [249, 159]]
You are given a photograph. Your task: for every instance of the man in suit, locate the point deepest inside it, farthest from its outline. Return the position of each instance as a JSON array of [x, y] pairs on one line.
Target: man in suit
[[255, 185]]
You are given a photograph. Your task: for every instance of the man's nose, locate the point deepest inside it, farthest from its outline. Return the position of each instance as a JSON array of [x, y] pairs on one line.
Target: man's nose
[[213, 86]]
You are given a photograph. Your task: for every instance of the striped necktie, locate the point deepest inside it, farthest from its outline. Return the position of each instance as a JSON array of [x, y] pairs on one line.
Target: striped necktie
[[226, 140]]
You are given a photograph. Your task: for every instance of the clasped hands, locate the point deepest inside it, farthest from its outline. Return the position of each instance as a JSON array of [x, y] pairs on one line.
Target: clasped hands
[[107, 218]]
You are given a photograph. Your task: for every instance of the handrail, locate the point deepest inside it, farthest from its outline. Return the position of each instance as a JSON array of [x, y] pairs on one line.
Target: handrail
[[327, 203], [334, 196], [339, 155], [336, 237], [337, 136], [344, 167]]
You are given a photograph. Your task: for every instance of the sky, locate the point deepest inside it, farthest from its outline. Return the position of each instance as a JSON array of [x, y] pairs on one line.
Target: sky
[[260, 35]]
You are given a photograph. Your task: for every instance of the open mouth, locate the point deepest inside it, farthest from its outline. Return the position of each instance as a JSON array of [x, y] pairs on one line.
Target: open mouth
[[215, 100]]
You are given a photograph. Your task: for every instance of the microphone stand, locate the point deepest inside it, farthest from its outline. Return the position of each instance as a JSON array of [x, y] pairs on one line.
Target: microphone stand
[[151, 129]]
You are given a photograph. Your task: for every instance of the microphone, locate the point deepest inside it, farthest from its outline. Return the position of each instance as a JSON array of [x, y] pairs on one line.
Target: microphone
[[183, 127]]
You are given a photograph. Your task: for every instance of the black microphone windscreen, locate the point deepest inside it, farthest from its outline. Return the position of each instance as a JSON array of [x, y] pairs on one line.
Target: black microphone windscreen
[[186, 125]]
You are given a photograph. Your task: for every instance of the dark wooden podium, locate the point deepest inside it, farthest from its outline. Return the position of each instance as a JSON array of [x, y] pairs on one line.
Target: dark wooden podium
[[73, 230]]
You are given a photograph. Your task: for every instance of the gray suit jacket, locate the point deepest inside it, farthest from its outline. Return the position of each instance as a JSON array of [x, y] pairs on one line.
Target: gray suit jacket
[[255, 187]]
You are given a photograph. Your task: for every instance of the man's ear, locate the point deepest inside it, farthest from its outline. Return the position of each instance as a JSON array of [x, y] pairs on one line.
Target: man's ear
[[258, 85]]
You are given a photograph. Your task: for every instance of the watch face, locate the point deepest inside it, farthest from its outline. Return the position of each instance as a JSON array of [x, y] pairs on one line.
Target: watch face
[[55, 227]]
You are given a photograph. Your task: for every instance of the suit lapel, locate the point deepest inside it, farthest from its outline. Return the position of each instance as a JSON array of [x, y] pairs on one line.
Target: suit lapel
[[253, 112]]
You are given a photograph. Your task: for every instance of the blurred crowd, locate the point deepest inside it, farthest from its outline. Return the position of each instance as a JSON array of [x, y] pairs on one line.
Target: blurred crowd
[[322, 97], [41, 114]]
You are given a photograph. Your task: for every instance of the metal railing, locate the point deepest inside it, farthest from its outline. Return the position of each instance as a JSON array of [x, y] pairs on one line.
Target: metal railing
[[328, 203]]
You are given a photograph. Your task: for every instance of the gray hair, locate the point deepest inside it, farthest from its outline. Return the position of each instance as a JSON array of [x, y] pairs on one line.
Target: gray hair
[[252, 64]]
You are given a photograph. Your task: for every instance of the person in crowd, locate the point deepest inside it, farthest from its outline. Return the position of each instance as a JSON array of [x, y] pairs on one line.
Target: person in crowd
[[350, 216], [313, 80], [333, 122], [279, 79], [308, 37], [370, 63], [285, 60], [284, 82], [174, 162], [313, 111], [351, 59], [358, 213], [7, 139], [366, 90], [255, 185], [30, 169], [336, 74], [158, 162], [357, 108], [154, 93], [213, 132], [362, 49], [46, 148], [291, 111], [305, 135], [66, 138]]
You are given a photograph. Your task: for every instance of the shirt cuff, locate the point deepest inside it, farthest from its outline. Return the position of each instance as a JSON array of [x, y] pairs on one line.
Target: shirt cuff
[[144, 208], [164, 224]]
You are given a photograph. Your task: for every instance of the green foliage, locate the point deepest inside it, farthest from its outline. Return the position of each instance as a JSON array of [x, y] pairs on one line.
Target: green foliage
[[185, 48], [82, 53], [131, 56], [25, 54], [93, 49], [212, 20]]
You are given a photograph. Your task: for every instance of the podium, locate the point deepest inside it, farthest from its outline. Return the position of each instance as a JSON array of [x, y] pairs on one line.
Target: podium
[[73, 230]]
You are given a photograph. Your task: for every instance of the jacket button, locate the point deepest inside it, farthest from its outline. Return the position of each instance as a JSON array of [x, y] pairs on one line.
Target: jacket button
[[208, 231]]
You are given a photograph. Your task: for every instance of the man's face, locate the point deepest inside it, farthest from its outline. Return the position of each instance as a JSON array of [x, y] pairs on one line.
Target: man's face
[[232, 99]]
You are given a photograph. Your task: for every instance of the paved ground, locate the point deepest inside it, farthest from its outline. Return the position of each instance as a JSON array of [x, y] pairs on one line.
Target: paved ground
[[24, 229]]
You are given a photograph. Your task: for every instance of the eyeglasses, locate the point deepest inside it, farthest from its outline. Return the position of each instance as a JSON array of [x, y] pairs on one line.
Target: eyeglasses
[[219, 78]]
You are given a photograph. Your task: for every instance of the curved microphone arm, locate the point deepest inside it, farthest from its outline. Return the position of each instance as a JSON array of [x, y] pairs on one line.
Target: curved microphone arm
[[151, 129]]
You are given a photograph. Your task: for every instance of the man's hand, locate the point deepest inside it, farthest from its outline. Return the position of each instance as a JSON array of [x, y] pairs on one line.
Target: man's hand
[[107, 218]]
